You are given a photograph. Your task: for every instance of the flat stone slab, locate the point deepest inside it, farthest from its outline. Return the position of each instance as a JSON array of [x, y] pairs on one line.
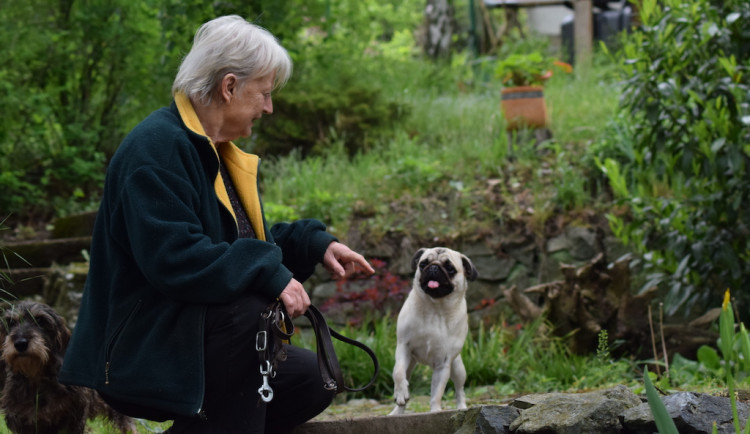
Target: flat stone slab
[[43, 253], [433, 423]]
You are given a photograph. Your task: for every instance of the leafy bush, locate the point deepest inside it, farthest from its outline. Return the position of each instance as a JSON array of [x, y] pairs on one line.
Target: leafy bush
[[80, 74], [84, 73], [677, 155], [314, 112], [732, 368], [332, 97], [528, 69]]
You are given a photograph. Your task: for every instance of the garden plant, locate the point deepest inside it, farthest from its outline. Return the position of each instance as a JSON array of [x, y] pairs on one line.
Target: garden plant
[[380, 141]]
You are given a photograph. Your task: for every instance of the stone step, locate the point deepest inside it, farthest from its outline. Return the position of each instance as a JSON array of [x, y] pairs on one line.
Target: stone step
[[43, 253], [442, 422], [27, 282], [73, 226]]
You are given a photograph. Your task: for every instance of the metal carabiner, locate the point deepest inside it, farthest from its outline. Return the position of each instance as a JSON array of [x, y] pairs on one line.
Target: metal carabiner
[[265, 391]]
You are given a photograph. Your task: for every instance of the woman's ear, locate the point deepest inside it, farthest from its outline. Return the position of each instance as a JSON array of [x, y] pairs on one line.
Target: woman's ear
[[228, 87]]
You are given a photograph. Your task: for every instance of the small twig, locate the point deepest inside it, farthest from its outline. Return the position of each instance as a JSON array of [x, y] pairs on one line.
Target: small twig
[[653, 339], [663, 342]]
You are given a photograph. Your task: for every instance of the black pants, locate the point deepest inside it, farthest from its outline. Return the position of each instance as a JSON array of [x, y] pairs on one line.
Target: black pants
[[232, 403]]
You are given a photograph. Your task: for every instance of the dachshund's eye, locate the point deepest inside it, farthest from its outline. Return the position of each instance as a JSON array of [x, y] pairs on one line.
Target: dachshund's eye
[[9, 324], [448, 265], [42, 322], [423, 264]]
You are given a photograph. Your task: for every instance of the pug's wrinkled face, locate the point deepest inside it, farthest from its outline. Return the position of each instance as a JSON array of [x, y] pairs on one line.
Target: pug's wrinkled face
[[440, 271]]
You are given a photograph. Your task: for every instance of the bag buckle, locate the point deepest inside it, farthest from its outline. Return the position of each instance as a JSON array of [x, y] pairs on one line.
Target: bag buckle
[[261, 341]]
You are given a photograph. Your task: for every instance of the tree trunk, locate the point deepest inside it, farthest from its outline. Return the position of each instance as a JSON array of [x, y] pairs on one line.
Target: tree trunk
[[439, 22], [597, 296]]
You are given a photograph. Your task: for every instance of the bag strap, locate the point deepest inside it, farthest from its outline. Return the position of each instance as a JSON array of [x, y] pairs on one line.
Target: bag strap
[[328, 363], [276, 326]]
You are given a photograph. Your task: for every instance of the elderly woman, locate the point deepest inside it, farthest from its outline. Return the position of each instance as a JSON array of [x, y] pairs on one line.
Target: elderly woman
[[183, 263]]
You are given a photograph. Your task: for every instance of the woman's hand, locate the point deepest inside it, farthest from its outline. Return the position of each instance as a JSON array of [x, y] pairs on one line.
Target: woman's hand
[[341, 261], [295, 298]]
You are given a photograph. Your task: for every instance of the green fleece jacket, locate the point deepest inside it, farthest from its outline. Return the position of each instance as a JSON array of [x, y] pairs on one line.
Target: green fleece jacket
[[164, 247]]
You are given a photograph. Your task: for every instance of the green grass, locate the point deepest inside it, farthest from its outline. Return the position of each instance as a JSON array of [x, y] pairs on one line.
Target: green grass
[[101, 426], [513, 360], [444, 155]]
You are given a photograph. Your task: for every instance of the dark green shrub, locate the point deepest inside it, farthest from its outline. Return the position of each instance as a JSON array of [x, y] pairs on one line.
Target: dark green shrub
[[330, 98], [677, 155], [75, 77]]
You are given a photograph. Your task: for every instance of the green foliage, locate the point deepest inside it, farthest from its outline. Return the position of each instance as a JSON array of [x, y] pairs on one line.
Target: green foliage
[[277, 213], [341, 65], [515, 360], [323, 105], [664, 422], [735, 350], [73, 73], [5, 278], [80, 74], [528, 69], [528, 359], [730, 369], [357, 366], [677, 153]]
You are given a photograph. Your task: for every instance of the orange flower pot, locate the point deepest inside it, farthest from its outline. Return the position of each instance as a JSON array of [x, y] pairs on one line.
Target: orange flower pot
[[524, 107]]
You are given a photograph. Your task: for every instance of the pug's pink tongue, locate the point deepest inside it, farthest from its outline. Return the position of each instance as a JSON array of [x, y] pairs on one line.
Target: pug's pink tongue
[[432, 284]]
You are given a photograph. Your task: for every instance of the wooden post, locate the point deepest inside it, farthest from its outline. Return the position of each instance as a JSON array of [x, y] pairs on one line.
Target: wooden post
[[583, 31]]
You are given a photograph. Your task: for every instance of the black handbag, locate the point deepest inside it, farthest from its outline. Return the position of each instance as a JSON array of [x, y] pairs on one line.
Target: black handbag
[[276, 327]]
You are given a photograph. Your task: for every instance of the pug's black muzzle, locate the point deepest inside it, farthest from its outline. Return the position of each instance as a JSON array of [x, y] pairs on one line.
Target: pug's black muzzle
[[436, 272]]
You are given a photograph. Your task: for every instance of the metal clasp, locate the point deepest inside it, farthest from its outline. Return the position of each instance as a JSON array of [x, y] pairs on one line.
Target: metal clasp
[[265, 391], [330, 385]]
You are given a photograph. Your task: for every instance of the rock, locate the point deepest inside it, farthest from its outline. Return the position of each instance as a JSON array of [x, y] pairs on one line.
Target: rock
[[612, 411], [43, 253], [592, 412], [493, 268], [476, 249], [582, 242], [692, 413], [487, 419], [557, 244], [74, 225]]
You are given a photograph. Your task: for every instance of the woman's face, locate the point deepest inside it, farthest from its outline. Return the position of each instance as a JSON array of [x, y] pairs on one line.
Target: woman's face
[[248, 103]]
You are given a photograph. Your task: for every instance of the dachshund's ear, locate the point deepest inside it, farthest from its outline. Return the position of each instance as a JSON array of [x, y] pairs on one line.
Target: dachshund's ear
[[4, 325], [4, 331], [63, 332]]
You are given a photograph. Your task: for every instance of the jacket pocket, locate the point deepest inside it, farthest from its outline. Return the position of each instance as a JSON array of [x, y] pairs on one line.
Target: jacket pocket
[[112, 342]]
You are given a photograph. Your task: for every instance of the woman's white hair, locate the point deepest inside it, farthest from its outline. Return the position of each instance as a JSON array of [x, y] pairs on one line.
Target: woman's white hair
[[226, 45]]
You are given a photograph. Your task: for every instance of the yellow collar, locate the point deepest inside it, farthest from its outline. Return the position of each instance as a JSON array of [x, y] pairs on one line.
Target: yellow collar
[[242, 168]]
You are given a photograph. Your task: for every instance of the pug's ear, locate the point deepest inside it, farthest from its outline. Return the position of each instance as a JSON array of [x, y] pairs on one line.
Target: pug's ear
[[469, 271], [415, 259]]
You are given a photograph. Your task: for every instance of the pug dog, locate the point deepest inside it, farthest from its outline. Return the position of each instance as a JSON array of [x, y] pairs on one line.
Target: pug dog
[[432, 325]]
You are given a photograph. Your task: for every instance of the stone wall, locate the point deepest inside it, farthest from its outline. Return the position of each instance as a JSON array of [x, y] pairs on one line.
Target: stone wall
[[522, 262], [502, 260]]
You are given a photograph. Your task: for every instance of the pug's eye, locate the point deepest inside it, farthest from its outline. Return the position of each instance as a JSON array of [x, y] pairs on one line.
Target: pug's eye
[[423, 264], [448, 265]]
